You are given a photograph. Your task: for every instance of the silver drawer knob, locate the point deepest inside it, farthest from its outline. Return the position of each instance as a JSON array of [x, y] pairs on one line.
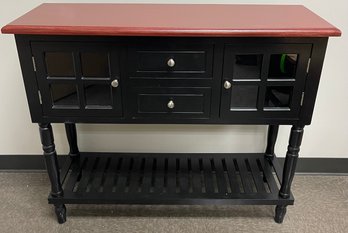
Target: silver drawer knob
[[171, 62], [227, 85], [114, 83], [171, 104]]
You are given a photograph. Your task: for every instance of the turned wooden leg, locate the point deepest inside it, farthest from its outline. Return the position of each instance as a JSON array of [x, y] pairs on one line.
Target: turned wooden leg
[[60, 210], [51, 161], [271, 140], [289, 169], [70, 129], [280, 212]]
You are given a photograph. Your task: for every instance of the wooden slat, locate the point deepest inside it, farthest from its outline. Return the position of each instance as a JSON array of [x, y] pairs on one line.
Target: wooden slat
[[196, 176], [135, 175], [220, 176], [269, 176], [146, 185], [124, 172], [75, 172], [257, 176], [171, 175], [65, 168], [246, 179], [98, 174], [159, 181], [86, 173], [208, 176], [111, 175], [183, 175], [100, 180], [231, 171]]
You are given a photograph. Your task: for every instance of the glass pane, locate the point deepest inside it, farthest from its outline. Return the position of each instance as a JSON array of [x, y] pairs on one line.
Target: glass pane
[[283, 66], [247, 66], [95, 64], [64, 94], [244, 97], [59, 64], [98, 96], [278, 97]]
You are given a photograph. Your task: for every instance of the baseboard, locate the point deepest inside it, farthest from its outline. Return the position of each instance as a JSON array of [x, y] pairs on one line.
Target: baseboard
[[304, 165]]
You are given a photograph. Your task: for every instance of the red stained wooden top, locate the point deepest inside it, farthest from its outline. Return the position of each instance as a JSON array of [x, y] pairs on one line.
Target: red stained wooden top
[[172, 20]]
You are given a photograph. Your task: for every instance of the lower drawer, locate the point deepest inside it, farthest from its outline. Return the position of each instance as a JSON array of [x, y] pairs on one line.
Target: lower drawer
[[171, 102]]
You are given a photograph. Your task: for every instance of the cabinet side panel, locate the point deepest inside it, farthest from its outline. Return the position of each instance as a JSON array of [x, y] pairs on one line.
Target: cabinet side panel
[[29, 77], [312, 81]]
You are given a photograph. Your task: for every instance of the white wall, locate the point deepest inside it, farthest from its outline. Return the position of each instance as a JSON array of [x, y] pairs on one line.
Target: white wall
[[326, 137]]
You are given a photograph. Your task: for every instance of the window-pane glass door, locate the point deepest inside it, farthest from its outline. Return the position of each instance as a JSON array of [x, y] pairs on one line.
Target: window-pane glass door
[[78, 78], [263, 80]]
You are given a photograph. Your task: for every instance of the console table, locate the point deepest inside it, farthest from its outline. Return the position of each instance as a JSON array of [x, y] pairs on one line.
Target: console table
[[171, 64]]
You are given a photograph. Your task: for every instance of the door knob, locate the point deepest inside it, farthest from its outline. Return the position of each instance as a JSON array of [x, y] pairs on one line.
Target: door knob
[[171, 62], [171, 104], [227, 85], [114, 83]]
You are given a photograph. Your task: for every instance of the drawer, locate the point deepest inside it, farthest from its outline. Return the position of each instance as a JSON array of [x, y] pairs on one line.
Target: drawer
[[171, 61], [168, 102]]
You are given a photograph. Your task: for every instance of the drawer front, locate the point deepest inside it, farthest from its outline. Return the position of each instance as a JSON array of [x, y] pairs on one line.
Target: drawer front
[[171, 61], [171, 103]]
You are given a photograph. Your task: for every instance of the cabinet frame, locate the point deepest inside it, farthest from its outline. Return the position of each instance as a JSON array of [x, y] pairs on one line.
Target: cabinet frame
[[304, 117]]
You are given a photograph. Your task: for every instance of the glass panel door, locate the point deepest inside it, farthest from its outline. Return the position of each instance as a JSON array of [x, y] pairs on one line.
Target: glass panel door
[[78, 78], [263, 80]]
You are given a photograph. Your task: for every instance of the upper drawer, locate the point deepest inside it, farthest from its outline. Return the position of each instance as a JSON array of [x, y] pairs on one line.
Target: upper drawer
[[170, 61]]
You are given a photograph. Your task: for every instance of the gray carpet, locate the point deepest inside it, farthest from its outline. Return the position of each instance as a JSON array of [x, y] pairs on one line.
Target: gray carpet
[[321, 206]]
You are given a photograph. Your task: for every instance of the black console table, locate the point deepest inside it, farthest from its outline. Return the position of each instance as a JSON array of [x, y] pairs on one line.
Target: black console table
[[119, 63]]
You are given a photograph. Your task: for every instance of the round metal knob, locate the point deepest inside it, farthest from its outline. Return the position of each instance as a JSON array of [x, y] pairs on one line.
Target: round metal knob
[[114, 83], [171, 62], [227, 85], [171, 104]]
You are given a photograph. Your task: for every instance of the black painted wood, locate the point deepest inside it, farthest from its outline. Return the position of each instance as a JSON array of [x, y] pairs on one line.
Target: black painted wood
[[268, 168], [291, 160], [328, 165], [289, 169], [191, 60], [264, 80], [152, 103], [131, 189], [176, 81], [51, 161], [280, 212], [70, 129], [50, 156], [271, 140], [81, 107], [312, 81], [125, 56]]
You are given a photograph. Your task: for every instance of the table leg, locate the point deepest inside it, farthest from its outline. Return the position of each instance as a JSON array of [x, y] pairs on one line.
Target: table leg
[[52, 166], [289, 169], [70, 129], [271, 140]]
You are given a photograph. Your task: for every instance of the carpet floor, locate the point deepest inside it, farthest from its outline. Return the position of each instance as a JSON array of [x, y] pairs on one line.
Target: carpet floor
[[321, 205]]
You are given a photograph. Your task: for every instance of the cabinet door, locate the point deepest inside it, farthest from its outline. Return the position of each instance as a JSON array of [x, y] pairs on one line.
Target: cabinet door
[[78, 79], [263, 80]]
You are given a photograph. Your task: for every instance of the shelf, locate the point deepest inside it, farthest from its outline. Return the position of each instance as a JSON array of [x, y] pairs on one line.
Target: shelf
[[144, 178]]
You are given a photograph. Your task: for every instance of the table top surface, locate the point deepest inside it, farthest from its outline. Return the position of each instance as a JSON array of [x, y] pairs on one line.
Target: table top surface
[[172, 20]]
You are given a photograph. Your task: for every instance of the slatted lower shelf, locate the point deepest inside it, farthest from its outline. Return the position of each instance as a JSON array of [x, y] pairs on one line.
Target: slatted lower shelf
[[129, 178]]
